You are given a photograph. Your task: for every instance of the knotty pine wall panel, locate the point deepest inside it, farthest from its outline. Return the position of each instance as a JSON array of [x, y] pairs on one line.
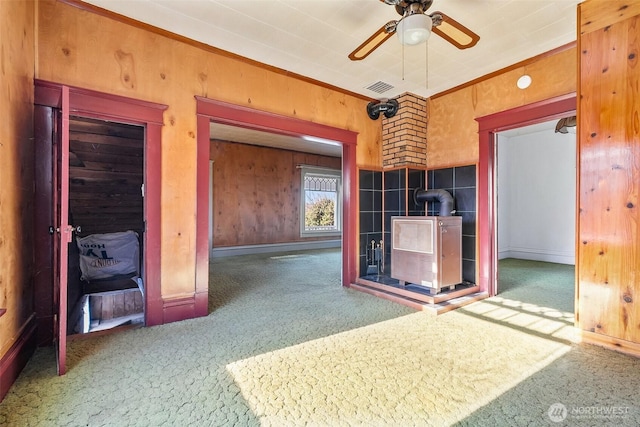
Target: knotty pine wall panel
[[256, 193], [452, 131], [84, 49], [608, 295], [16, 171]]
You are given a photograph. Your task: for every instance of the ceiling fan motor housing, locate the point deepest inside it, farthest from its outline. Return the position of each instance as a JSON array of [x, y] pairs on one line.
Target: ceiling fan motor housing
[[388, 107], [407, 7]]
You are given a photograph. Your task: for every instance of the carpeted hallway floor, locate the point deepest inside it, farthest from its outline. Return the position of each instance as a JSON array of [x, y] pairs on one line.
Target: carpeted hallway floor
[[286, 345]]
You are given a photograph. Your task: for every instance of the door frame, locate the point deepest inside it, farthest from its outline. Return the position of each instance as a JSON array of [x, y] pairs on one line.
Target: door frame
[[488, 126], [211, 110], [103, 106]]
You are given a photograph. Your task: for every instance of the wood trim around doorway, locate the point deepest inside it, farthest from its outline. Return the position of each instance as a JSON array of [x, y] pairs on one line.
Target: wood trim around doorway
[[209, 110], [550, 109], [98, 105]]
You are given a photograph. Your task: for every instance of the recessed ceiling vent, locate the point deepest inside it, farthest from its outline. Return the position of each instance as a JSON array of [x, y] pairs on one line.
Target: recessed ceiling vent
[[379, 87]]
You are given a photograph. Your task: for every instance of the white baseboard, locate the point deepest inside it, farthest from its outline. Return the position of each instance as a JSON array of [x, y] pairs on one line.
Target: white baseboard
[[273, 247], [538, 255]]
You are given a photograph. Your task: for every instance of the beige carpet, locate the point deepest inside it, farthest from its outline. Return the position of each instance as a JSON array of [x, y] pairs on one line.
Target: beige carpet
[[285, 345]]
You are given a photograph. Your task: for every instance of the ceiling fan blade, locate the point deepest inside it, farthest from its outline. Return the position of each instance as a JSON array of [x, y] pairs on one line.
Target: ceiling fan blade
[[372, 43], [455, 33]]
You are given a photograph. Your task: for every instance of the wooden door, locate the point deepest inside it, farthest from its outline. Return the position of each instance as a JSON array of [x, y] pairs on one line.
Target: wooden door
[[63, 235], [46, 137]]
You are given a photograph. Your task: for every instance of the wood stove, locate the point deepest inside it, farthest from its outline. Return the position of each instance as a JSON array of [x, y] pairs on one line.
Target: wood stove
[[427, 251]]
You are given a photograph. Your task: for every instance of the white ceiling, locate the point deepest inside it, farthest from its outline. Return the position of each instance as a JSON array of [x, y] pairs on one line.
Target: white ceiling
[[242, 135], [312, 38]]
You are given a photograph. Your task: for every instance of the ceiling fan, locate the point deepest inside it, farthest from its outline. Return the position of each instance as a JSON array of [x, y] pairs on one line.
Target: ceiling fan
[[414, 28]]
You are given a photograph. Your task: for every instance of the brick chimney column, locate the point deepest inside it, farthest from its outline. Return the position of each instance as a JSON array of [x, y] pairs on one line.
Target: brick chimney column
[[404, 136]]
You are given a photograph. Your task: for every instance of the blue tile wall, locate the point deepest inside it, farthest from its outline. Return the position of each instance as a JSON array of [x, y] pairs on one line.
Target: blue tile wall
[[394, 190], [371, 194], [395, 201], [416, 181]]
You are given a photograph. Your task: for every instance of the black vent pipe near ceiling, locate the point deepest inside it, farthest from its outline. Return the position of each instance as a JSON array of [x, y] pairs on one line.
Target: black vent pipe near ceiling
[[443, 196]]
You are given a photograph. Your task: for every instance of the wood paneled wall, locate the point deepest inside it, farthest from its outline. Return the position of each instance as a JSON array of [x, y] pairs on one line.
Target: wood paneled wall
[[609, 177], [106, 162], [452, 131], [84, 49], [256, 193], [16, 172]]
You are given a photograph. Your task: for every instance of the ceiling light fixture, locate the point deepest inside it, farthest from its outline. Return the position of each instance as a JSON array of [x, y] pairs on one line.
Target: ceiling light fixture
[[524, 81], [414, 29]]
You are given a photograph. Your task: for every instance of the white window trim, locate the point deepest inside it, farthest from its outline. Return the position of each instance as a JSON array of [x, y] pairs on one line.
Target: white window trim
[[305, 170]]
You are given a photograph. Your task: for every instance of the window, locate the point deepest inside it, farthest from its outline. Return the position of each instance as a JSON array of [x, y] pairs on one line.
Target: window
[[320, 202]]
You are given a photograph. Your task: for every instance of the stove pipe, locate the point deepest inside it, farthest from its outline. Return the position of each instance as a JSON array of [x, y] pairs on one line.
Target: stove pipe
[[443, 196]]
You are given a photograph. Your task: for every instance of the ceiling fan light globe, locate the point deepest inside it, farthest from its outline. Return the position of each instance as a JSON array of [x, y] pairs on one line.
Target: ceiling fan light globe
[[414, 29]]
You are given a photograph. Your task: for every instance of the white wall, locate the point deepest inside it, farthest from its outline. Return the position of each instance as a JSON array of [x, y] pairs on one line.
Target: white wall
[[537, 196]]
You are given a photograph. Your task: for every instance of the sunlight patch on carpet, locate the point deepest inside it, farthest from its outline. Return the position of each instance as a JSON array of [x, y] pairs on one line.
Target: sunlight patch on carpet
[[416, 369], [529, 317]]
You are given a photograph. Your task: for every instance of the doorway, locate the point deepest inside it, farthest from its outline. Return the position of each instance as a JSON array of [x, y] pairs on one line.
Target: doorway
[[272, 192], [536, 215], [105, 281], [270, 205]]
